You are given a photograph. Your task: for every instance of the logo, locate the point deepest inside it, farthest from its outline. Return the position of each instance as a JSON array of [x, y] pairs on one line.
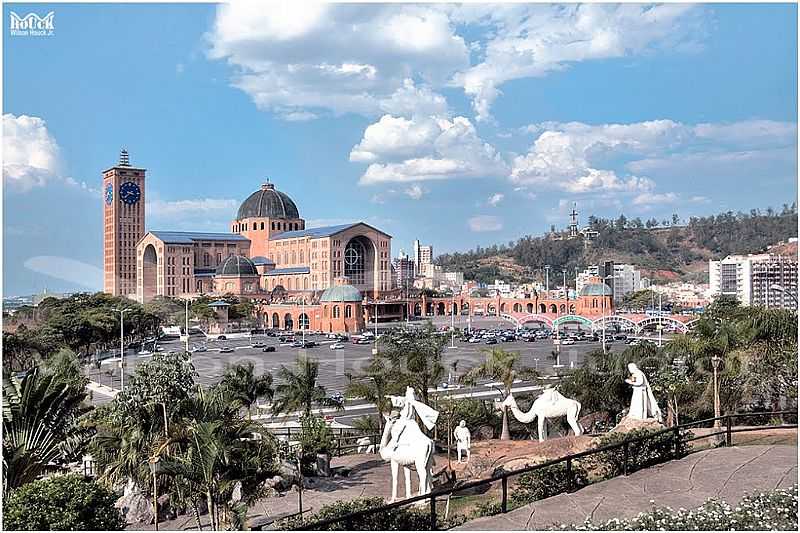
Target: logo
[[32, 25]]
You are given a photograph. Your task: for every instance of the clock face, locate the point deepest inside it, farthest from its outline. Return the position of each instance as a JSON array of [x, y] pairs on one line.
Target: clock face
[[109, 194], [129, 192]]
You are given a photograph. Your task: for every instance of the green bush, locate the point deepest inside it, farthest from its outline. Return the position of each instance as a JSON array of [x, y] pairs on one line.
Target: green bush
[[546, 482], [399, 519], [642, 453], [489, 508], [315, 435], [68, 502], [774, 510]]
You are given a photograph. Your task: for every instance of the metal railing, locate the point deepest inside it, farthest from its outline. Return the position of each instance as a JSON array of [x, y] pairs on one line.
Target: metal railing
[[726, 428]]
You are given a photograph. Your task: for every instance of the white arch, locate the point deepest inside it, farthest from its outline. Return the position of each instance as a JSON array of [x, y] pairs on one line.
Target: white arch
[[612, 319], [533, 317], [660, 320]]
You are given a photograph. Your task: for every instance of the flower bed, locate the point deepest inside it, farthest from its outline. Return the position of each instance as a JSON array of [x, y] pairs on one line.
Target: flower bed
[[774, 510]]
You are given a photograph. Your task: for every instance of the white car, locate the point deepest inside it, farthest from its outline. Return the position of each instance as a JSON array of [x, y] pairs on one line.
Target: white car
[[337, 346], [474, 340], [568, 340]]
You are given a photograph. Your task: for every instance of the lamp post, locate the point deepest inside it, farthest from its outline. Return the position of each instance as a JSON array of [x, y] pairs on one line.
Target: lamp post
[[603, 307], [154, 468], [453, 322], [186, 331], [122, 346], [715, 361], [660, 320]]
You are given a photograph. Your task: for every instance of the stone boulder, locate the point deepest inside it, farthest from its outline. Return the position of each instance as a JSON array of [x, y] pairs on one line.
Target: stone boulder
[[137, 508]]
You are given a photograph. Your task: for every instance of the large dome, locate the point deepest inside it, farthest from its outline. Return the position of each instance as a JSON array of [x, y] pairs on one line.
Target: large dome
[[236, 266], [341, 293], [267, 202], [596, 289]]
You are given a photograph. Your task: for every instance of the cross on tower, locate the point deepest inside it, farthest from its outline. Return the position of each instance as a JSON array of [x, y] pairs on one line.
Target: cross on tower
[[573, 227]]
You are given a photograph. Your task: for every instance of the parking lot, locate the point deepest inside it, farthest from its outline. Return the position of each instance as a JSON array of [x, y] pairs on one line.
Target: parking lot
[[353, 358]]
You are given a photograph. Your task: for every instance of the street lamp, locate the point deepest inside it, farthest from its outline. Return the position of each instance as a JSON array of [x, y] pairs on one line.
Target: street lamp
[[715, 361], [780, 288], [122, 346]]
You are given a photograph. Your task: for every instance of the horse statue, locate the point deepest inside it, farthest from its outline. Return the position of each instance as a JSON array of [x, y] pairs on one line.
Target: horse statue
[[404, 444], [550, 404]]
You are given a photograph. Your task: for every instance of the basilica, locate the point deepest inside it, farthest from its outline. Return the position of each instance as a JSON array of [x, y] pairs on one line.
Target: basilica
[[332, 278]]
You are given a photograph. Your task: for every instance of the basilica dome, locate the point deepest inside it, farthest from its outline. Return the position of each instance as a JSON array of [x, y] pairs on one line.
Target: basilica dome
[[236, 266], [596, 289], [267, 202], [341, 293]]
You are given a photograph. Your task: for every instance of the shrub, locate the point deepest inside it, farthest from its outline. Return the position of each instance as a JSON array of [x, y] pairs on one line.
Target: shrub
[[548, 481], [772, 510], [641, 453], [489, 508], [315, 436], [398, 519], [68, 502]]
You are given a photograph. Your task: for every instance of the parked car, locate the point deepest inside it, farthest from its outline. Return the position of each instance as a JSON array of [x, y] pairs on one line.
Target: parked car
[[568, 340], [268, 349], [297, 344], [337, 346], [530, 338], [309, 344], [226, 349], [222, 338], [257, 345], [474, 340], [491, 340], [199, 348]]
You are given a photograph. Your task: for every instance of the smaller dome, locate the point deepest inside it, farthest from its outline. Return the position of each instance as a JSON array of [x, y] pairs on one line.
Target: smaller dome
[[341, 293], [236, 266], [596, 289]]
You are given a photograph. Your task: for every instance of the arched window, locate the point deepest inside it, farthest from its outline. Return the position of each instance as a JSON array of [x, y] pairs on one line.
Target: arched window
[[563, 308], [294, 257], [262, 225], [503, 308], [273, 226], [542, 308], [301, 257], [325, 311], [594, 302], [289, 283], [335, 311], [305, 284], [348, 311], [229, 286], [553, 308], [530, 308]]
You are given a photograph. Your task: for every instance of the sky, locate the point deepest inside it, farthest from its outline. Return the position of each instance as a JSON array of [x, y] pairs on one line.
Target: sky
[[459, 125]]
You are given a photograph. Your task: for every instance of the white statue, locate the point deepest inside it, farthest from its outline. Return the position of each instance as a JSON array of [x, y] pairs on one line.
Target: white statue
[[463, 439], [365, 445], [643, 403], [550, 404], [404, 444]]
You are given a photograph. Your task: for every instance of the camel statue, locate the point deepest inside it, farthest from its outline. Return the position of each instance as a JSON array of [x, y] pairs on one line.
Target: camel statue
[[550, 404], [404, 444], [365, 445]]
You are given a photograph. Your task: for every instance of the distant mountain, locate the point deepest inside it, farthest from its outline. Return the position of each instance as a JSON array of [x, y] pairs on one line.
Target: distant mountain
[[665, 251]]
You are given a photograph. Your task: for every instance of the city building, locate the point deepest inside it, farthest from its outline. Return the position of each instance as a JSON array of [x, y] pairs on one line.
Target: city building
[[423, 256], [751, 278], [404, 271], [686, 295], [627, 279]]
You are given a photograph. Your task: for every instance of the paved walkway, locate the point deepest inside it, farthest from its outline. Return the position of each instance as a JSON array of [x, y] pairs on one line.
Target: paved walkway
[[725, 473]]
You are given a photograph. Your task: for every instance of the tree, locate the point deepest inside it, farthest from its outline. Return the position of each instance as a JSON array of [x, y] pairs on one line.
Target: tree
[[41, 427], [502, 366], [66, 503], [245, 387], [298, 389], [415, 358], [373, 386]]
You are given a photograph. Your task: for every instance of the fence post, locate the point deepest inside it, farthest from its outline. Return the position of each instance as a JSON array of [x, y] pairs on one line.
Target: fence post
[[728, 433], [569, 475], [504, 501], [625, 459], [433, 513], [677, 441]]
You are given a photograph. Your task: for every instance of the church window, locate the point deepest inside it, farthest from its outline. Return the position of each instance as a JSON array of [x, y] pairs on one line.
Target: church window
[[335, 311]]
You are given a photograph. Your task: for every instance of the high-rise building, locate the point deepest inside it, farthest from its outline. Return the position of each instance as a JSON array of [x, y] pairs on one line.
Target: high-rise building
[[423, 255], [404, 270], [123, 225], [626, 280], [774, 270], [731, 276]]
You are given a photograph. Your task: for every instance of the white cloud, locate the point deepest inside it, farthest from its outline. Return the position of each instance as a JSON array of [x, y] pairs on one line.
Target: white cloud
[[584, 158], [415, 192], [30, 154], [177, 209], [649, 198], [481, 223], [423, 149], [533, 41], [312, 57], [495, 199]]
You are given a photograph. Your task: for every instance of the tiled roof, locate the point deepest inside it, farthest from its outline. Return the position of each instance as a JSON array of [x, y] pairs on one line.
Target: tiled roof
[[189, 237], [324, 231], [287, 270]]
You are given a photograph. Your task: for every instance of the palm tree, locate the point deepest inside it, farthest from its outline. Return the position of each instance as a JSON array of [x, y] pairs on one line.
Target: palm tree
[[500, 365], [244, 386], [40, 425], [373, 386], [299, 390]]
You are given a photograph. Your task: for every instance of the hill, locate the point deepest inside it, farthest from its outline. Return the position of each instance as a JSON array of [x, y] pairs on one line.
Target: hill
[[665, 252]]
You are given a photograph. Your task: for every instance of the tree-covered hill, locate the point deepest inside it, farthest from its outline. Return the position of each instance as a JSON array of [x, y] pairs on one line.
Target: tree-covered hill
[[661, 248]]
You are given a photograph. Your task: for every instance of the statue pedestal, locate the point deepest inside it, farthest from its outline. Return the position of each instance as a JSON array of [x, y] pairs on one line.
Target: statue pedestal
[[630, 424]]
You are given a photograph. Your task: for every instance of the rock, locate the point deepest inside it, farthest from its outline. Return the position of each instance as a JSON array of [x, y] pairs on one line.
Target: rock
[[592, 420], [137, 508], [323, 465], [483, 433], [630, 424]]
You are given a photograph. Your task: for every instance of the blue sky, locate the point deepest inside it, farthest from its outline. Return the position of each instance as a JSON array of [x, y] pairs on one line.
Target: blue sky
[[457, 125]]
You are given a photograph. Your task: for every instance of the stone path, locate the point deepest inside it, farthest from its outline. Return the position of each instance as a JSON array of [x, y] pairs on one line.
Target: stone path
[[725, 473]]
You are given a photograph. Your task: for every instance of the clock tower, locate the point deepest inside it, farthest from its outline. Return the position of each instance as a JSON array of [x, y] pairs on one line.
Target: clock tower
[[123, 225]]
